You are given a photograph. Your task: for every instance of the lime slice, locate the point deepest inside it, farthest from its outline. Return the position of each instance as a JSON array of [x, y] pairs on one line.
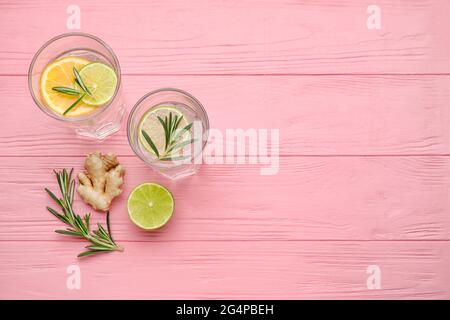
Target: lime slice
[[151, 125], [150, 206], [101, 81]]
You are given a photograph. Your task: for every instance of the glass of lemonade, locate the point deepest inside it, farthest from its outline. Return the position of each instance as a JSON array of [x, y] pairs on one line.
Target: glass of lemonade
[[75, 78], [168, 129]]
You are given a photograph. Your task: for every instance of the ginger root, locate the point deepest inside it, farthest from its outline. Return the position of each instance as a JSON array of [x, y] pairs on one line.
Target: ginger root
[[102, 180]]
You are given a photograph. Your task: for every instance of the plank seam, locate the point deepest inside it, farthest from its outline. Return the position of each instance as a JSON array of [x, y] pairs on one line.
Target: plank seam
[[240, 240], [281, 156], [258, 74]]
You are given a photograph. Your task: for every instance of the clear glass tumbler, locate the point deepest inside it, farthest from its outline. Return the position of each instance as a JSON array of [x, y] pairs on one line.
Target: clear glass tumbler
[[106, 119], [193, 114]]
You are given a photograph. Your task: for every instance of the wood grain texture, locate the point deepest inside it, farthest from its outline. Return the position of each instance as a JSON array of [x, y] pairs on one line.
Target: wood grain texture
[[243, 270], [364, 143], [316, 115], [236, 37], [311, 198]]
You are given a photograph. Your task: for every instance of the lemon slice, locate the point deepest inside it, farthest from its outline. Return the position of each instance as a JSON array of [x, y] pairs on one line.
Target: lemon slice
[[150, 206], [101, 80], [59, 73], [151, 125]]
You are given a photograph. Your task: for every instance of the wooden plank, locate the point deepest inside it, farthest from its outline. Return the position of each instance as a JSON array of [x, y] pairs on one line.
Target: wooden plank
[[233, 270], [235, 37], [311, 198], [363, 177], [321, 115]]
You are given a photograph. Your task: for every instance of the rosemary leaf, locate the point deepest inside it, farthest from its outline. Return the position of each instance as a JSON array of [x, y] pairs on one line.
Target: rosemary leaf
[[150, 142], [174, 122], [166, 131], [80, 82], [169, 123], [58, 178], [178, 122], [64, 180], [57, 214], [68, 233], [87, 220], [71, 191], [88, 253], [67, 90], [100, 235], [52, 195], [79, 225], [96, 248], [170, 158], [181, 132], [101, 232], [180, 145], [101, 242], [73, 105]]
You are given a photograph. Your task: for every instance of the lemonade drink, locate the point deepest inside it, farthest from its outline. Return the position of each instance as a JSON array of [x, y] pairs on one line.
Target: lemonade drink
[[59, 76], [75, 78], [153, 134], [168, 129]]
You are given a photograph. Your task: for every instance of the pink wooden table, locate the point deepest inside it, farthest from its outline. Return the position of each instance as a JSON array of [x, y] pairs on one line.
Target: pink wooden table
[[364, 178]]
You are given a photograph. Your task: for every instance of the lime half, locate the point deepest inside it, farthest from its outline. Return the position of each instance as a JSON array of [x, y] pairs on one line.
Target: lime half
[[150, 206], [101, 81]]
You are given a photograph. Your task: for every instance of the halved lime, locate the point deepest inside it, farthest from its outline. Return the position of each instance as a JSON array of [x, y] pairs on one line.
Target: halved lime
[[101, 81], [150, 206], [151, 125]]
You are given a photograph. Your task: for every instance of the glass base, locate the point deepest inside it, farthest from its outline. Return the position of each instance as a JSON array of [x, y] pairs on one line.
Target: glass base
[[178, 172], [104, 128]]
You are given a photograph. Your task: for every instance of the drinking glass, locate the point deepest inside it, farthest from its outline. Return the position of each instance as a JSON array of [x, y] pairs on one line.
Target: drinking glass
[[191, 109], [106, 119]]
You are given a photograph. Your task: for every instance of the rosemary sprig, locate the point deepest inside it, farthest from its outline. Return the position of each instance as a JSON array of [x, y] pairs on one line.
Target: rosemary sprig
[[74, 92], [170, 125], [101, 240]]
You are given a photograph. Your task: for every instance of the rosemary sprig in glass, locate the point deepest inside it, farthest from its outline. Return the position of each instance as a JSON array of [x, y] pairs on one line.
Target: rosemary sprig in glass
[[101, 240], [74, 92], [170, 125]]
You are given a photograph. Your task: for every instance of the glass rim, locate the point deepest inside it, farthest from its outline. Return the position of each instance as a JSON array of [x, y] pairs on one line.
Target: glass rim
[[91, 115], [166, 89]]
